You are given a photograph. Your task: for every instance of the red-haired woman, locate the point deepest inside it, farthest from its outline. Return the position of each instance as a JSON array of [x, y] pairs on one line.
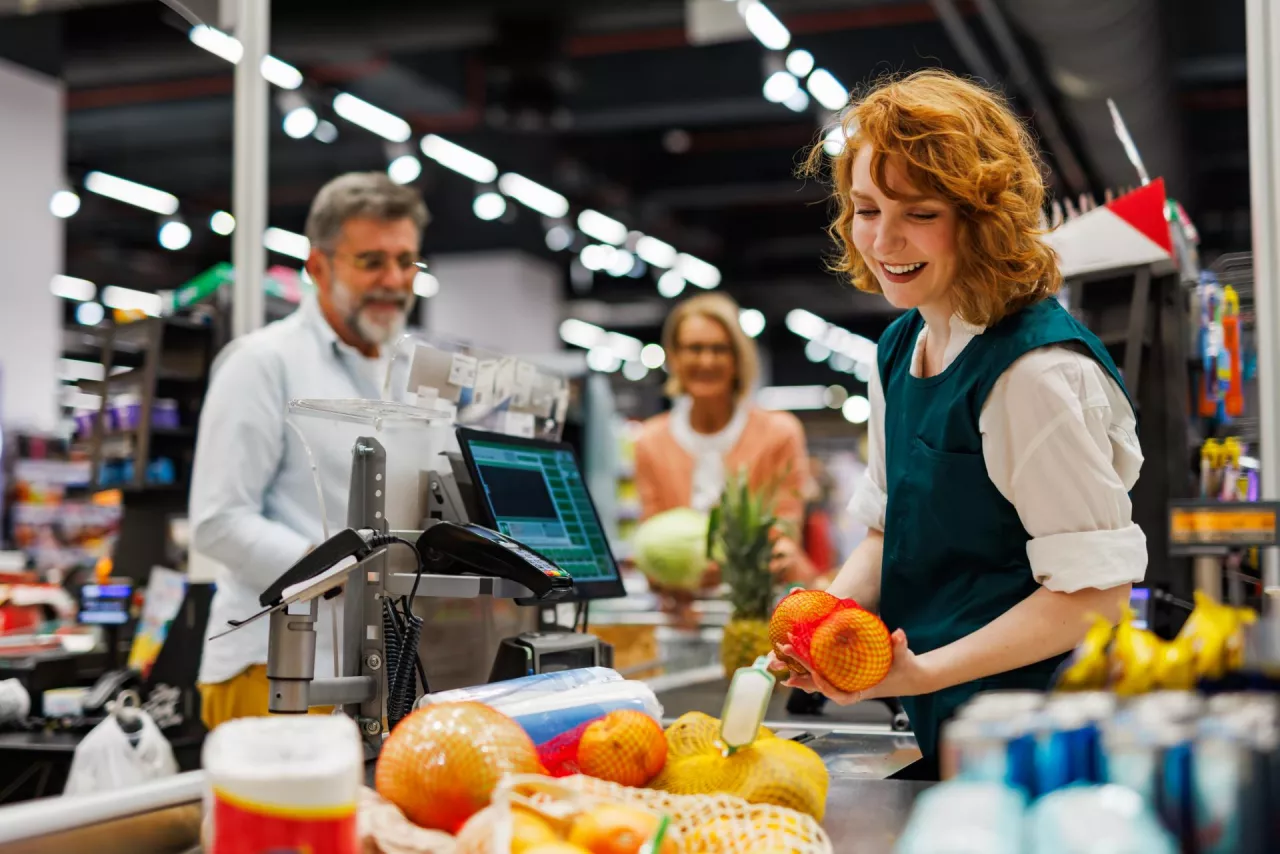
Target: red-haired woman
[[1002, 442]]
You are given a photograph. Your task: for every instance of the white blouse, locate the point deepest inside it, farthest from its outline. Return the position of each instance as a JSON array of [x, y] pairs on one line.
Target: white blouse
[[1060, 443], [708, 450]]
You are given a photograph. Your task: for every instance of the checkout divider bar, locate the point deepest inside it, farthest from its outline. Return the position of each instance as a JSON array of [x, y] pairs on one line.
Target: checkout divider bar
[[46, 816]]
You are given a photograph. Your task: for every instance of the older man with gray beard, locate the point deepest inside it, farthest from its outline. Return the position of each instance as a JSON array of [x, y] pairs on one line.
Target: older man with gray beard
[[253, 505]]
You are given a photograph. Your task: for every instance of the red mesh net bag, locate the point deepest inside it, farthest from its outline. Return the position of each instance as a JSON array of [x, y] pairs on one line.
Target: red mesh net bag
[[843, 643]]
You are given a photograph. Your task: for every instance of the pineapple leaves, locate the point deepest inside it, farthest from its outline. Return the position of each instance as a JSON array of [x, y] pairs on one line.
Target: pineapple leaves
[[742, 527]]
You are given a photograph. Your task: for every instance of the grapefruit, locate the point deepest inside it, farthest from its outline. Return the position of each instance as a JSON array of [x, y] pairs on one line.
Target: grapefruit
[[617, 829], [625, 746], [441, 764], [558, 848], [852, 650]]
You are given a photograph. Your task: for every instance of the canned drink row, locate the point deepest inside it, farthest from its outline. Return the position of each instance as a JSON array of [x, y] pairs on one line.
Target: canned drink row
[[1208, 767]]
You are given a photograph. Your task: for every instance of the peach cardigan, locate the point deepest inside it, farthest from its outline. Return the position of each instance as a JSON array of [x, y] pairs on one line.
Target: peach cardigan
[[771, 443]]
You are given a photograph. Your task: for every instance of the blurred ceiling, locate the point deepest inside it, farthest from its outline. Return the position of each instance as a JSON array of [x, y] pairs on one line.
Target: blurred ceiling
[[608, 102]]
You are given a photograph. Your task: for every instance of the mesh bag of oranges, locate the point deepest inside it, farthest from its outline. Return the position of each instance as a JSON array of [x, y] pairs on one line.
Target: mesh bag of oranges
[[582, 815], [835, 638]]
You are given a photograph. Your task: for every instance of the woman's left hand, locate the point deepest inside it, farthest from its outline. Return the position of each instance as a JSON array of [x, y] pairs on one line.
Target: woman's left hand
[[907, 677]]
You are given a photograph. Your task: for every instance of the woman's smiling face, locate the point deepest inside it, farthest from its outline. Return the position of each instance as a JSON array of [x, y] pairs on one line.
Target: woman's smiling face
[[909, 243]]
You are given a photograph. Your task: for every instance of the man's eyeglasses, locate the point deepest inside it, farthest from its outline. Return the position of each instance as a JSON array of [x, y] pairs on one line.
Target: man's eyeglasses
[[376, 261]]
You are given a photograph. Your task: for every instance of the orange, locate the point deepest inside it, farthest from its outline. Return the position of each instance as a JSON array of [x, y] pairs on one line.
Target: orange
[[625, 746], [441, 764], [852, 650], [617, 829], [799, 612]]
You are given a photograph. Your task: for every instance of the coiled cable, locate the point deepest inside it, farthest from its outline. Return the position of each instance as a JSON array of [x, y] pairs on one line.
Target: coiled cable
[[401, 632]]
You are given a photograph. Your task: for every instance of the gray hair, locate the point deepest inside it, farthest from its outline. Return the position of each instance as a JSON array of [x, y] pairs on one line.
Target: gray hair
[[361, 194]]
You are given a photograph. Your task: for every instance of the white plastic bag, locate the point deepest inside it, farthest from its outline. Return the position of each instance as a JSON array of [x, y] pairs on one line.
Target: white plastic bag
[[106, 759]]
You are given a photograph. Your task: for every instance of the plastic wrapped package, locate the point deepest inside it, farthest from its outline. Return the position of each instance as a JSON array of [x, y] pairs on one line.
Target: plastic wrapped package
[[546, 716], [527, 808], [1078, 819], [501, 695], [965, 817]]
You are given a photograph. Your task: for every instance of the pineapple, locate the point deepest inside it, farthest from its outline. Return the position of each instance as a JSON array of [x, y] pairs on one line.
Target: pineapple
[[739, 537]]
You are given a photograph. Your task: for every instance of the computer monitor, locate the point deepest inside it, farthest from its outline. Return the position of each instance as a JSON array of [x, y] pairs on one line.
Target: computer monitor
[[533, 491]]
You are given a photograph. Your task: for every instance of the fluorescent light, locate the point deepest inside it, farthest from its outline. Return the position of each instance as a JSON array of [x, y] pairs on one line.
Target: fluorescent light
[[833, 142], [280, 73], [606, 229], [635, 371], [533, 195], [371, 118], [779, 86], [228, 47], [622, 264], [816, 351], [70, 370], [579, 333], [656, 252], [90, 313], [597, 256], [300, 122], [175, 235], [697, 271], [800, 62], [461, 160], [835, 396], [287, 243], [764, 25], [425, 285], [652, 356], [829, 91], [217, 43], [671, 284], [806, 324], [627, 348], [489, 206], [69, 287], [222, 223], [752, 321], [603, 359], [798, 102], [63, 204], [862, 371], [794, 398], [405, 169], [326, 131], [559, 238], [131, 193], [127, 299], [856, 409], [842, 362], [73, 398]]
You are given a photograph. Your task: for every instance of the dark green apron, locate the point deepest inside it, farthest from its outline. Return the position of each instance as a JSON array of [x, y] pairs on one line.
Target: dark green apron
[[955, 552]]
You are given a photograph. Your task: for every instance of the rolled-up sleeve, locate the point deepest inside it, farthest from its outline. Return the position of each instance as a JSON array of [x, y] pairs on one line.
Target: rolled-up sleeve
[[1059, 445], [871, 497], [238, 453]]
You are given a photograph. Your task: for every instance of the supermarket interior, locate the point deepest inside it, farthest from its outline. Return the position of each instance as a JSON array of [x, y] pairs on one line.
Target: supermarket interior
[[615, 427]]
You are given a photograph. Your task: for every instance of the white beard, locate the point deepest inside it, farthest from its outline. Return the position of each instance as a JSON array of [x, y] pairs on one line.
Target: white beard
[[362, 324]]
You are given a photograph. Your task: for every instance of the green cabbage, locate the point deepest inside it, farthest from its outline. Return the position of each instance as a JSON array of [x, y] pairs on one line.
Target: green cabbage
[[671, 548]]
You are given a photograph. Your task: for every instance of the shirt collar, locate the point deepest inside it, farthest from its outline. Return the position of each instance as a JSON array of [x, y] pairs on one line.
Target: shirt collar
[[313, 318], [962, 332]]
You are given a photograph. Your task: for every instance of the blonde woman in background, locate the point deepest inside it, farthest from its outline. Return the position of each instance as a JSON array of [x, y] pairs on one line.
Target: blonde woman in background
[[714, 428]]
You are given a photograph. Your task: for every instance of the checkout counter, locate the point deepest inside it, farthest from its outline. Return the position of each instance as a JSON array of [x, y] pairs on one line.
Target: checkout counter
[[502, 517]]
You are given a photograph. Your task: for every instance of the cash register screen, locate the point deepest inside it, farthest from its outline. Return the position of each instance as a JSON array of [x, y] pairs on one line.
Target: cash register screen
[[533, 491], [105, 604]]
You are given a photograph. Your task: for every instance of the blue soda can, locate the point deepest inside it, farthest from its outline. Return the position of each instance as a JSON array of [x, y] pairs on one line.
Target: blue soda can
[[1066, 749], [991, 750], [1131, 756], [1089, 710], [1226, 814], [1175, 798], [1091, 819]]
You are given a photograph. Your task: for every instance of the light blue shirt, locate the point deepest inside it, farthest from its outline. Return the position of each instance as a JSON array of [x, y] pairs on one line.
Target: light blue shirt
[[254, 506]]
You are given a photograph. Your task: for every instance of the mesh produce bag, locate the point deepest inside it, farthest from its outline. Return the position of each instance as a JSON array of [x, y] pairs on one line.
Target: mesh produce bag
[[851, 643], [697, 824]]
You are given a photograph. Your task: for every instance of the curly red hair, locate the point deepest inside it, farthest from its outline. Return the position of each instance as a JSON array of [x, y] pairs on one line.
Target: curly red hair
[[960, 143]]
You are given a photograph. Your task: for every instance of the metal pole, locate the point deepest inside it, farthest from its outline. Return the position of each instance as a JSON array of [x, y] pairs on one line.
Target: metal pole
[[1263, 39], [253, 29], [33, 819]]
